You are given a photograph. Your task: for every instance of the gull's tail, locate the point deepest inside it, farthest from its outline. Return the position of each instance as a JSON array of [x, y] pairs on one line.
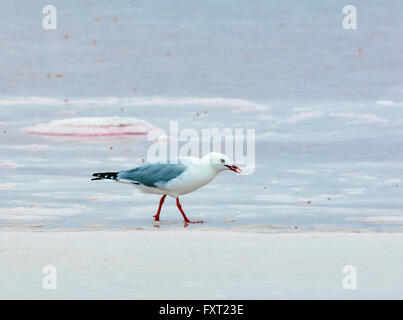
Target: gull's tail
[[105, 175]]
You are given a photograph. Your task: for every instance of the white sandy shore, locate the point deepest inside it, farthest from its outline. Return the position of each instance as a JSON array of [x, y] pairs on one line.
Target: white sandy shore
[[200, 265]]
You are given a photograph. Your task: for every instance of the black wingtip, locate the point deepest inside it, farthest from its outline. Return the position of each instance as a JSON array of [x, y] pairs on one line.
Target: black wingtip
[[105, 175]]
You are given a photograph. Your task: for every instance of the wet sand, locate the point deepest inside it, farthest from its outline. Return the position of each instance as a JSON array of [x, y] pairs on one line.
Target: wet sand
[[189, 264]]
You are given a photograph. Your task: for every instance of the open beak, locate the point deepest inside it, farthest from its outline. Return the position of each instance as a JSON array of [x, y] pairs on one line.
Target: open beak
[[234, 168]]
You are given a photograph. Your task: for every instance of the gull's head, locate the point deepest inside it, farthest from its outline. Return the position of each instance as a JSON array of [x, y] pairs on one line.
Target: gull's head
[[221, 162]]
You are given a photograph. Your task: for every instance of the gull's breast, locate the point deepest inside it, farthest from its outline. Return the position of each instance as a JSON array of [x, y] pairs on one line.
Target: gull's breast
[[190, 180]]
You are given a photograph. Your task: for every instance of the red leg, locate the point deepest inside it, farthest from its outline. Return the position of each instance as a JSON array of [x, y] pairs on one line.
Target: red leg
[[157, 216], [178, 204]]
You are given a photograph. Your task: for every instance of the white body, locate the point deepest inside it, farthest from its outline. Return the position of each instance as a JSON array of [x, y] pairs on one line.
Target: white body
[[198, 173]]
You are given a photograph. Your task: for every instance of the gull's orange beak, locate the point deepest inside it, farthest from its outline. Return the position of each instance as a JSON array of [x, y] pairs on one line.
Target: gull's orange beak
[[234, 168]]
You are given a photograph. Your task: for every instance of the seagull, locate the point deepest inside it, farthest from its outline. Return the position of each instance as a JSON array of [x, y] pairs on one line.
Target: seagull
[[173, 179]]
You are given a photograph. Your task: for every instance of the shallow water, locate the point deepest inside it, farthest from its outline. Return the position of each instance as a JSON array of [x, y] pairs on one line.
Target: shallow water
[[325, 104]]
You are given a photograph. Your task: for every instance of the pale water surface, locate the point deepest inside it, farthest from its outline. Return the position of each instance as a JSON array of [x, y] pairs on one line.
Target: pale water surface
[[326, 105]]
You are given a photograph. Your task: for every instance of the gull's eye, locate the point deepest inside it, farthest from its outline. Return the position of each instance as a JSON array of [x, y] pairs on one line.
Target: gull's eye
[[222, 161]]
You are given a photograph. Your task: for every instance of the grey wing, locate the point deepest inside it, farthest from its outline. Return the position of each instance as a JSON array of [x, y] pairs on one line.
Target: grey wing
[[152, 174]]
